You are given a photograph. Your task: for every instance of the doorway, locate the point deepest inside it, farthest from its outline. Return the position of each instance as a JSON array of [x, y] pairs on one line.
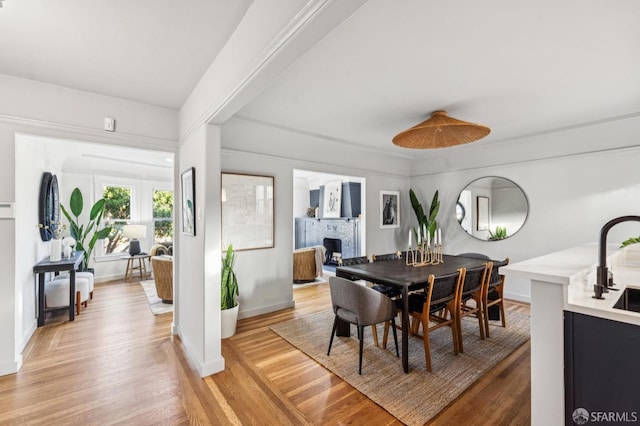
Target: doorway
[[318, 218]]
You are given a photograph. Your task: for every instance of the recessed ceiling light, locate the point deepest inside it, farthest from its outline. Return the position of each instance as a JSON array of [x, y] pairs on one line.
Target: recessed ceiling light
[[170, 160]]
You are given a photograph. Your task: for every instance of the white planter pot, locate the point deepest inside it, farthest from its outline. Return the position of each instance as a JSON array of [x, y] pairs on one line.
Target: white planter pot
[[228, 321], [56, 250]]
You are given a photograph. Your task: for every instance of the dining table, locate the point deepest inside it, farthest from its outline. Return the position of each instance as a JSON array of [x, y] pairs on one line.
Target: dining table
[[396, 273]]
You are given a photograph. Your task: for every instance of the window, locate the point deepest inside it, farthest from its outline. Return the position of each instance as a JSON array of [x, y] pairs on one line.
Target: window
[[163, 216], [117, 213]]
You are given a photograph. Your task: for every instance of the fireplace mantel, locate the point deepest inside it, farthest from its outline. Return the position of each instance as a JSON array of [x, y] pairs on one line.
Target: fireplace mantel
[[311, 231]]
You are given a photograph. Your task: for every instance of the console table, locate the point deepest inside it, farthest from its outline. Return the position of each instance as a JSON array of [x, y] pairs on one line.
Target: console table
[[65, 264]]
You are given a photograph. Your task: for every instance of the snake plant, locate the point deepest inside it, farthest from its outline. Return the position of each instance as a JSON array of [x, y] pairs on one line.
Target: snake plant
[[229, 283]]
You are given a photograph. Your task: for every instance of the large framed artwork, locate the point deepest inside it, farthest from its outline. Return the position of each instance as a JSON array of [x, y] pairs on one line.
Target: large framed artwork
[[482, 204], [247, 211], [188, 178], [389, 209], [332, 201]]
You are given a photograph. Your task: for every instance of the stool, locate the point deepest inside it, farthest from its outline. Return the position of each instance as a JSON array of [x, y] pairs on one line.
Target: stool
[[86, 275], [57, 293]]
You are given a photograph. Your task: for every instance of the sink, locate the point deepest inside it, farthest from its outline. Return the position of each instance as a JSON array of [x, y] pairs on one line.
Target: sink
[[629, 300]]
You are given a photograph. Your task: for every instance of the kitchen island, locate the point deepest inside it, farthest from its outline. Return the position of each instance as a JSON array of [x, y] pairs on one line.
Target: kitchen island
[[562, 286]]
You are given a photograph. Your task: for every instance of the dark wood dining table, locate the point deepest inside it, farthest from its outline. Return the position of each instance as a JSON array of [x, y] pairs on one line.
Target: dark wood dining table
[[396, 273]]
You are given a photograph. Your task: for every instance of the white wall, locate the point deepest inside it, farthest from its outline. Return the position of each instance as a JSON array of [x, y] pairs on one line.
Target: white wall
[[28, 107], [198, 296], [265, 276], [34, 162], [301, 199], [570, 198]]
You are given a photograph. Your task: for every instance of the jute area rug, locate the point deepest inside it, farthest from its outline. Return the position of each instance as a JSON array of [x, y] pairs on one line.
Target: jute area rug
[[416, 397], [155, 303]]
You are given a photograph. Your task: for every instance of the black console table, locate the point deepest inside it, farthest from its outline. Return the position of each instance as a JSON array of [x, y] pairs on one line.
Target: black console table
[[65, 264]]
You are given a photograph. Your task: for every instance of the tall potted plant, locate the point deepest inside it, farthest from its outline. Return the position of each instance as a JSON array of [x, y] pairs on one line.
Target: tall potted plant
[[87, 235], [229, 291], [425, 223]]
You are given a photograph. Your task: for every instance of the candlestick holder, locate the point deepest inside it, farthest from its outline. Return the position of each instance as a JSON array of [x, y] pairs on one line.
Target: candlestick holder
[[437, 255], [410, 259], [424, 255]]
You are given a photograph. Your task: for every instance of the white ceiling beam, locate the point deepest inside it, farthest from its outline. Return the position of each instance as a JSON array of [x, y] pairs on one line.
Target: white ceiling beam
[[269, 39]]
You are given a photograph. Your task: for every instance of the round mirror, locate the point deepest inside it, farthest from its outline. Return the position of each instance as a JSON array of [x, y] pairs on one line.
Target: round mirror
[[492, 208], [49, 206]]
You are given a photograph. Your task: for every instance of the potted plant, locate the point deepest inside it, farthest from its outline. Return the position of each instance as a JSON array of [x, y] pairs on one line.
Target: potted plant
[[229, 291], [500, 234], [425, 223], [85, 236]]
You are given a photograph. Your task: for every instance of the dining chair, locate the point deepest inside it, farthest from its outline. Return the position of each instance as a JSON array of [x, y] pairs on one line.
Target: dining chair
[[392, 292], [472, 288], [436, 303], [475, 256], [494, 294], [358, 261], [388, 291], [360, 305]]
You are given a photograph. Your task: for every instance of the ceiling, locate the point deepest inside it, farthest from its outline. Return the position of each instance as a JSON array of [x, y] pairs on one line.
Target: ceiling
[[520, 68], [135, 50], [100, 159]]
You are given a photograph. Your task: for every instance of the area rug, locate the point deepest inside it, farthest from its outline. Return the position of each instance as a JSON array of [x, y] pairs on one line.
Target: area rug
[[155, 303], [416, 397]]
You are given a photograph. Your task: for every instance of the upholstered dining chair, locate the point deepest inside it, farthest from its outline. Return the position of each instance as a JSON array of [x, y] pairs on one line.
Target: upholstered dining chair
[[436, 304], [392, 292], [472, 289], [360, 305], [493, 294], [163, 277], [358, 261]]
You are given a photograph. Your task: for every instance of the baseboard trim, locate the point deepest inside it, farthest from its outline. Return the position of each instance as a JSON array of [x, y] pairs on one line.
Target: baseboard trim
[[11, 367], [518, 297], [204, 369], [265, 309]]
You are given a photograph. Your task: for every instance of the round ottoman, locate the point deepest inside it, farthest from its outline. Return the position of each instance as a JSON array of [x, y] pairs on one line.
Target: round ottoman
[[86, 275], [57, 293]]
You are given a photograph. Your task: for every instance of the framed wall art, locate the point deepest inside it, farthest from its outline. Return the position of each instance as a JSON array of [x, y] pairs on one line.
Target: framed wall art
[[332, 199], [389, 209], [188, 178], [247, 211]]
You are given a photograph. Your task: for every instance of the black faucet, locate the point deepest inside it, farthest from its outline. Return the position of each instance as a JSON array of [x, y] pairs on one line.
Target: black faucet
[[602, 273]]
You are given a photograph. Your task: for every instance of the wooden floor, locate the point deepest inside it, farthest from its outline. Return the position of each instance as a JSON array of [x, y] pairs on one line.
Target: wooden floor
[[117, 364]]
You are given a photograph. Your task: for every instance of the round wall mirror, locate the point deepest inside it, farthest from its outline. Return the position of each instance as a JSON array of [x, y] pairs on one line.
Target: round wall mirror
[[49, 205], [494, 208]]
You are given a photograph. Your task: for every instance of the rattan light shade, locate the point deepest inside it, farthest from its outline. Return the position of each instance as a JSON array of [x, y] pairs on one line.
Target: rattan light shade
[[440, 131]]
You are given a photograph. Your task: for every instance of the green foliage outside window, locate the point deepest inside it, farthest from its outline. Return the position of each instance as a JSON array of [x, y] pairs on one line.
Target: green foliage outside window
[[163, 216], [117, 211]]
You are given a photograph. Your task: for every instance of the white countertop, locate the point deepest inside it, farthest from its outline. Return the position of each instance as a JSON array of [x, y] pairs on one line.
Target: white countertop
[[575, 268]]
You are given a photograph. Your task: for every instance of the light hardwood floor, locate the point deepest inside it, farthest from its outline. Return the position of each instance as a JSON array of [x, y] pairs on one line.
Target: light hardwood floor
[[117, 364]]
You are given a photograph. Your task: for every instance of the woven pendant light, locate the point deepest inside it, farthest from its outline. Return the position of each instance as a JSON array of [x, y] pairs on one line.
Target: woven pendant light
[[440, 131]]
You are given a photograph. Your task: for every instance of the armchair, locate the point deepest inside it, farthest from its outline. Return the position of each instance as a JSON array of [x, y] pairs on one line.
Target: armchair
[[163, 277]]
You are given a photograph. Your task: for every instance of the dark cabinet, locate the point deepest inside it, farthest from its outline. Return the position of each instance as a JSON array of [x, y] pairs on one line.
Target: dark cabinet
[[602, 369]]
